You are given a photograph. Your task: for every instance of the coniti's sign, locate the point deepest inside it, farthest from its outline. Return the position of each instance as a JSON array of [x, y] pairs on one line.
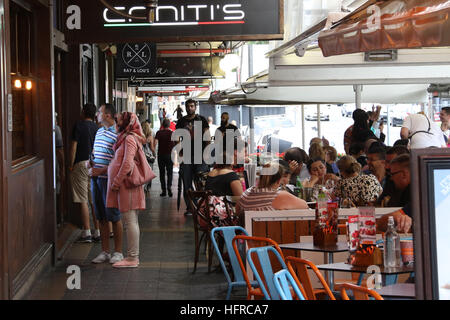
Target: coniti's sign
[[89, 21]]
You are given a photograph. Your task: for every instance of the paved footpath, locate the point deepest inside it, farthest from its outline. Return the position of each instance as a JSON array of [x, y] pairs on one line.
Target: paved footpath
[[166, 263]]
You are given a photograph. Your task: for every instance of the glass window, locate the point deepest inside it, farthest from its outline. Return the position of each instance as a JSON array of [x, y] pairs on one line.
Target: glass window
[[23, 84]]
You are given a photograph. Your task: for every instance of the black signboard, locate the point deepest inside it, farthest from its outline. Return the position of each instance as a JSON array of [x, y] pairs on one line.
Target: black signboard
[[171, 68], [135, 60], [88, 21]]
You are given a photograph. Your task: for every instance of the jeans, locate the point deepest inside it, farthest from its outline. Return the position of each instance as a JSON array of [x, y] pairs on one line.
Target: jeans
[[165, 164], [188, 176]]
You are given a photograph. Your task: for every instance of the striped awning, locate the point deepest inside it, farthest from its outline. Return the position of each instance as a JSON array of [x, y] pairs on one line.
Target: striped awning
[[389, 24]]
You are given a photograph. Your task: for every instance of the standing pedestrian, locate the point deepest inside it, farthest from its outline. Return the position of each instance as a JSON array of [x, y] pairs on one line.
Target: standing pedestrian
[[127, 200], [165, 144], [179, 112], [103, 153], [148, 149], [189, 168], [83, 135]]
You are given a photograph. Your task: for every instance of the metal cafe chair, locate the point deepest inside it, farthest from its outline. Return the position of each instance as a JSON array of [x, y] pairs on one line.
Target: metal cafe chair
[[202, 225], [236, 279], [359, 293], [284, 283], [264, 274], [251, 242], [299, 269]]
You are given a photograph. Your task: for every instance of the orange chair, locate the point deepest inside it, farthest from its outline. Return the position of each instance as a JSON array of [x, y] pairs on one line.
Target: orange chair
[[253, 242], [359, 293], [298, 267]]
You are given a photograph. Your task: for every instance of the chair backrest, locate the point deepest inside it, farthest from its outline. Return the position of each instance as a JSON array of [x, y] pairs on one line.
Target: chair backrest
[[299, 269], [252, 242], [195, 200], [283, 283], [359, 293], [228, 234], [264, 274]]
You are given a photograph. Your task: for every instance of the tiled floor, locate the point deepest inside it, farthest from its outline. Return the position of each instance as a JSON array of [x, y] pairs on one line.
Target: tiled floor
[[166, 263]]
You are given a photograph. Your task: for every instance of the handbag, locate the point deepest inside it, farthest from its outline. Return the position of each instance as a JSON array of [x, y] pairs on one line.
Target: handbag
[[141, 173], [148, 153]]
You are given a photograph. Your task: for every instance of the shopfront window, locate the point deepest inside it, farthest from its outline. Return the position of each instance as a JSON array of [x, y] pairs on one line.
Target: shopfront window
[[23, 83]]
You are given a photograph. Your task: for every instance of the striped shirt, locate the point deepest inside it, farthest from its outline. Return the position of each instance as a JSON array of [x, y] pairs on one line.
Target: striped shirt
[[103, 147], [258, 199]]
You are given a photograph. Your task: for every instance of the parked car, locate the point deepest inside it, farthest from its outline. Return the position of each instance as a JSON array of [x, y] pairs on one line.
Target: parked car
[[275, 129], [313, 116]]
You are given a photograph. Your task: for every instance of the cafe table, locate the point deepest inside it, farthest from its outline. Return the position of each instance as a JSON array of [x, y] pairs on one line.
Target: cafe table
[[390, 274], [327, 253], [398, 291]]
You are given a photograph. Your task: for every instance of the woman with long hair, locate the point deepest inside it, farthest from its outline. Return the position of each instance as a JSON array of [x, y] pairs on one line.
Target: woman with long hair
[[127, 200], [361, 130]]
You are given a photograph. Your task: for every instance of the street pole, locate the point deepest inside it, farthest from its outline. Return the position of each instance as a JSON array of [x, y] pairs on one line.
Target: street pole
[[303, 126]]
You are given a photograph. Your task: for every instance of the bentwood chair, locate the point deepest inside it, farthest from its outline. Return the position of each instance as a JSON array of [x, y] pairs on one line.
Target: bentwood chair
[[252, 242], [299, 269], [359, 293], [284, 282], [264, 273], [202, 225], [236, 279]]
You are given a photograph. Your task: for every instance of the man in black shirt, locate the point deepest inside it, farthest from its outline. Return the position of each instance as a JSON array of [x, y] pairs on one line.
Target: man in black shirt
[[401, 176], [224, 125], [189, 167], [179, 112], [83, 136]]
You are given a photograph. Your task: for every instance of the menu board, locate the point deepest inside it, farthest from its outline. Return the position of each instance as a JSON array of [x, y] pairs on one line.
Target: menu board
[[367, 226]]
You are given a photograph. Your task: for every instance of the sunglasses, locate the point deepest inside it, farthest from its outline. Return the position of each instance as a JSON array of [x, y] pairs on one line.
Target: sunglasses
[[394, 173]]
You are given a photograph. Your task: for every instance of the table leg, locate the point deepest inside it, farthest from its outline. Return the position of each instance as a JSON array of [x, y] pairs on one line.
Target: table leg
[[329, 275]]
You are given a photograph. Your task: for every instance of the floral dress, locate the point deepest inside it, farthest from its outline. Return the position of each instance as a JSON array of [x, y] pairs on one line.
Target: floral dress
[[361, 189]]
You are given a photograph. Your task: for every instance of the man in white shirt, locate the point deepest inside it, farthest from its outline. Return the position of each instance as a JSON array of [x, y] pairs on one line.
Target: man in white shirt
[[422, 132]]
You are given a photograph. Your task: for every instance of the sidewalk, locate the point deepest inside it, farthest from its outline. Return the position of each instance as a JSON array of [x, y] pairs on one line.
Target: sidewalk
[[166, 262]]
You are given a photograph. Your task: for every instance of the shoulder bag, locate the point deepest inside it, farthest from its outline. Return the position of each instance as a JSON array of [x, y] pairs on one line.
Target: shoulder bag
[[141, 173]]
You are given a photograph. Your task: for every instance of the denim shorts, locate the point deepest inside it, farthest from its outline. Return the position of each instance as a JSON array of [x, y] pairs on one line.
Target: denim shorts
[[99, 186]]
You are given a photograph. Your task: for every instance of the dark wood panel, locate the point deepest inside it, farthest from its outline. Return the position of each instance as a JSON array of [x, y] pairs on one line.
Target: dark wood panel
[[274, 230], [26, 223]]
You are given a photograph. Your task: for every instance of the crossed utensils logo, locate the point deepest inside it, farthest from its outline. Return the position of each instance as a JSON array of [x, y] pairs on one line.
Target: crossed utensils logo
[[136, 55]]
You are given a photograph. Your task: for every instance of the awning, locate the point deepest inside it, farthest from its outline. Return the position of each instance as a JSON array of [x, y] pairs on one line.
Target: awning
[[389, 24]]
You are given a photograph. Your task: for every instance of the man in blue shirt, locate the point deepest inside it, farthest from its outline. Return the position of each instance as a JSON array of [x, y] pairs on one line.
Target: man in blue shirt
[[102, 155]]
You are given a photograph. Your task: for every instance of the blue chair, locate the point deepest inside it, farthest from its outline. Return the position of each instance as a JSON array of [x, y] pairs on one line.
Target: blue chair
[[283, 280], [228, 234], [266, 283]]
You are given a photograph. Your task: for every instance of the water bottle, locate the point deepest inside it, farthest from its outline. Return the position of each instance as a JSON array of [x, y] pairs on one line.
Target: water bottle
[[299, 187], [392, 253]]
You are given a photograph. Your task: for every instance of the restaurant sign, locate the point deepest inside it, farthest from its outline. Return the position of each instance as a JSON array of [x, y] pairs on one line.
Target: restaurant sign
[[135, 60], [169, 68], [88, 21]]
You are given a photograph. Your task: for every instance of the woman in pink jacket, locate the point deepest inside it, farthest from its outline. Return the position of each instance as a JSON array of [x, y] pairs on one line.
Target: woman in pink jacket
[[127, 200]]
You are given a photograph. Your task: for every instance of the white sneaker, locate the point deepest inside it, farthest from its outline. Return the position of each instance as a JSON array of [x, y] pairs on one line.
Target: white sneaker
[[116, 257], [102, 257]]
